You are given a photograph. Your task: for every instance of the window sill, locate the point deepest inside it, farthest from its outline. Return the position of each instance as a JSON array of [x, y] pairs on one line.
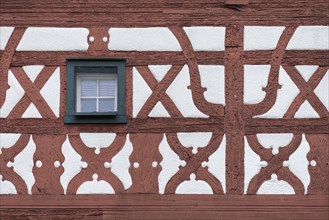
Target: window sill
[[96, 114], [95, 118]]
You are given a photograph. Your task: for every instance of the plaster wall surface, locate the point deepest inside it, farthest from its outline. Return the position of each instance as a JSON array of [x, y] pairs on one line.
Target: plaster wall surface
[[181, 159]]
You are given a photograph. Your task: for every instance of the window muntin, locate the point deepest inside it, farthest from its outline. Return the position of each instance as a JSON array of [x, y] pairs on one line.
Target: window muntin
[[96, 92]]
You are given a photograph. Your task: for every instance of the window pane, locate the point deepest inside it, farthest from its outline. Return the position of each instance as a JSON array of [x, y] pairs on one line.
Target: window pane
[[88, 105], [106, 87], [106, 105], [88, 87]]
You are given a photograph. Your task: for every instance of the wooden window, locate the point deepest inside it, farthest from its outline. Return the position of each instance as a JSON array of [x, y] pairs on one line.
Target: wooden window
[[95, 91]]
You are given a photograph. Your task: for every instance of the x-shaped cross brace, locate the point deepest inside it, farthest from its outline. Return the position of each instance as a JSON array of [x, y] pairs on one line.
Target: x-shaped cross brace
[[306, 91], [275, 164], [193, 163], [32, 93], [96, 163], [159, 91]]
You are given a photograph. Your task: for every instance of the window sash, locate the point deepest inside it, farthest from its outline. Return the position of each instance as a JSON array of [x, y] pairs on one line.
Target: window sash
[[97, 77]]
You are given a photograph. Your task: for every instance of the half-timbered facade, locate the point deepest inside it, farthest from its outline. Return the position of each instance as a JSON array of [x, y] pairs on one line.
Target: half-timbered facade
[[224, 114]]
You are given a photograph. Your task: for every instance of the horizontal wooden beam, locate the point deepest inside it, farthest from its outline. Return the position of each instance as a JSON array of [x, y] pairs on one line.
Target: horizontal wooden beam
[[290, 57], [218, 201], [165, 125], [154, 125], [144, 13], [135, 58], [310, 126], [151, 206]]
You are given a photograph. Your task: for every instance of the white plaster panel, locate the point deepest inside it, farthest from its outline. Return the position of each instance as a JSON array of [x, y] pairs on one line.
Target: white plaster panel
[[95, 187], [31, 112], [206, 38], [159, 111], [159, 71], [310, 38], [252, 164], [213, 78], [13, 95], [32, 71], [275, 186], [5, 33], [23, 164], [217, 162], [193, 186], [141, 92], [306, 111], [97, 140], [306, 71], [7, 187], [255, 79], [143, 39], [51, 92], [274, 141], [170, 164], [322, 90], [54, 39], [298, 163], [8, 140], [72, 164], [261, 37], [182, 96], [194, 139], [120, 164], [285, 97]]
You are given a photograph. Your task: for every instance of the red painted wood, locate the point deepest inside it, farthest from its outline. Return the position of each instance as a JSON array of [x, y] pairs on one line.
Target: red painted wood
[[235, 120], [150, 206]]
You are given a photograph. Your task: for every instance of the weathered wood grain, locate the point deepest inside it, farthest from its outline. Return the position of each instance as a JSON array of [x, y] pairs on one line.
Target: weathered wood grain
[[48, 176], [150, 206], [320, 126], [234, 123], [142, 58], [319, 152], [145, 175], [164, 125], [160, 13], [51, 213]]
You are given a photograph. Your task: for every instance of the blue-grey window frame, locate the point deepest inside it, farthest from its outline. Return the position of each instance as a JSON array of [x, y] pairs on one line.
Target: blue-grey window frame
[[74, 117]]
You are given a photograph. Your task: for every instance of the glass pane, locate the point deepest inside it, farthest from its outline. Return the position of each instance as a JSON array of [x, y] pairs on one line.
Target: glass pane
[[106, 105], [106, 87], [88, 87], [88, 105]]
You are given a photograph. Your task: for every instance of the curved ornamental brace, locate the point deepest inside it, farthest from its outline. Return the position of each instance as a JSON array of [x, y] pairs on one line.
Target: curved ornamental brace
[[6, 60], [194, 163], [273, 85], [197, 90]]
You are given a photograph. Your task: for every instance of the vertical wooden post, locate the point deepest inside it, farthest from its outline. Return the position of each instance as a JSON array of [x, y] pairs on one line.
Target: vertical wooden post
[[234, 124]]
